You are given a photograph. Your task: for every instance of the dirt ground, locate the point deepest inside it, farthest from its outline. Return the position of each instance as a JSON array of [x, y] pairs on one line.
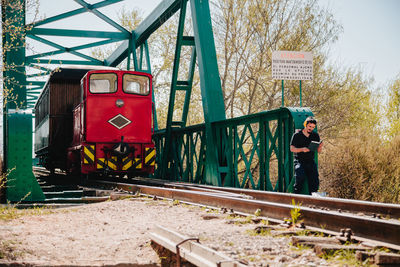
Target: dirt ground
[[116, 233]]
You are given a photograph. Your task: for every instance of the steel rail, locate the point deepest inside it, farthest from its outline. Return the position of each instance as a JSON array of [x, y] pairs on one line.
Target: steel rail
[[193, 252], [339, 204], [367, 207], [387, 231]]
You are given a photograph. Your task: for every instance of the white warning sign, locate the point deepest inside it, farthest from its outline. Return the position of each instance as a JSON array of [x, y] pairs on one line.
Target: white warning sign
[[292, 65]]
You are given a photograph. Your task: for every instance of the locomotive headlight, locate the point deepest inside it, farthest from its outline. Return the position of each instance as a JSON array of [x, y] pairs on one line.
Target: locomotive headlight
[[119, 103]]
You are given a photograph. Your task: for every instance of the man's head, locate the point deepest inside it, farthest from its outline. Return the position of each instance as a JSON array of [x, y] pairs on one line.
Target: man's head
[[309, 124]]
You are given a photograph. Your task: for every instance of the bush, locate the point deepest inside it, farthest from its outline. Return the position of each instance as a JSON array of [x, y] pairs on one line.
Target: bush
[[362, 167]]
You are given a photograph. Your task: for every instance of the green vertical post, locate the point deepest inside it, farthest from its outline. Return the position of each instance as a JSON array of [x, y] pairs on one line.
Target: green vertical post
[[210, 83], [263, 144], [283, 94], [301, 102], [21, 183], [167, 158]]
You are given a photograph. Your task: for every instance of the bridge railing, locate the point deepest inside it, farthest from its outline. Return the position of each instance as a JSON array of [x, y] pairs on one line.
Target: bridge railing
[[253, 150]]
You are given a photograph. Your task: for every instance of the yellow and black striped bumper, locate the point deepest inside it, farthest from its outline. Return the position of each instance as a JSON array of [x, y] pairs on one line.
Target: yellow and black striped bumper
[[89, 154], [128, 163], [150, 156], [102, 163]]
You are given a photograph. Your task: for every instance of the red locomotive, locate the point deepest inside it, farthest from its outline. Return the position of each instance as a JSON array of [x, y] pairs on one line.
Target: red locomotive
[[96, 121]]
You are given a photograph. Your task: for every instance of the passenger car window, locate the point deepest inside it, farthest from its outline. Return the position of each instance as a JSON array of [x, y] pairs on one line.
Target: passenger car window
[[103, 83], [135, 84]]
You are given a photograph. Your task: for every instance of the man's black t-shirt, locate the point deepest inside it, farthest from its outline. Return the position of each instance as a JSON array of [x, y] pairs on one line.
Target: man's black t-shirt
[[300, 140]]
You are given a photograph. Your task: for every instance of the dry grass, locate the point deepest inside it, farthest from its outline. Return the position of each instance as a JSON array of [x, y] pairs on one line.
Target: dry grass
[[363, 167]]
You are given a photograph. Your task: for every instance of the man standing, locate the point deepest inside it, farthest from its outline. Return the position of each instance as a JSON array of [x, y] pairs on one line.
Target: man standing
[[304, 164]]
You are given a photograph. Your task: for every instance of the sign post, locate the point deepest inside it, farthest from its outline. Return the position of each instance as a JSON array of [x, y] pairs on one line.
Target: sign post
[[292, 65]]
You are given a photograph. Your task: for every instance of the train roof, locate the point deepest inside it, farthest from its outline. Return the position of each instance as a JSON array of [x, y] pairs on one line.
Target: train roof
[[74, 72]]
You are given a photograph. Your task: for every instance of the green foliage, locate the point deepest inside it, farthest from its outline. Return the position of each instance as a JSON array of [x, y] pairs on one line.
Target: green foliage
[[11, 212], [393, 108], [346, 258], [362, 166], [295, 213], [261, 232]]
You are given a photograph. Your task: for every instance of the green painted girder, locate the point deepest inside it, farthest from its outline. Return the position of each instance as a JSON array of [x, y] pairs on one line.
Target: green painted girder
[[39, 74], [66, 49], [34, 66], [175, 86], [14, 58], [17, 123], [39, 83], [21, 183], [78, 33], [97, 13], [62, 49], [264, 136], [210, 84], [150, 24], [74, 12], [266, 144], [157, 17], [34, 89], [138, 66], [67, 62], [118, 55]]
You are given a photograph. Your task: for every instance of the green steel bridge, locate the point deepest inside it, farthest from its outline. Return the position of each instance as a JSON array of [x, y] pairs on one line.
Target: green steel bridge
[[247, 152]]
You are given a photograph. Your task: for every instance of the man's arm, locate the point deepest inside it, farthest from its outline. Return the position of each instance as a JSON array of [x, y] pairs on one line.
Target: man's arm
[[299, 149]]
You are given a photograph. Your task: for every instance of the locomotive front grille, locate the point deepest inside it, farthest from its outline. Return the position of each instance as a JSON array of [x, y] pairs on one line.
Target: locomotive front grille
[[119, 121]]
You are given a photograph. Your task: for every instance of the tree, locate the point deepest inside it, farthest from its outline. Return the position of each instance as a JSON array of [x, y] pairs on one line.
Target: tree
[[13, 39], [247, 32], [393, 108]]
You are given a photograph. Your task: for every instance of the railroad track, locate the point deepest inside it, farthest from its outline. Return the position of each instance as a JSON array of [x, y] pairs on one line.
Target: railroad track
[[328, 215], [367, 220]]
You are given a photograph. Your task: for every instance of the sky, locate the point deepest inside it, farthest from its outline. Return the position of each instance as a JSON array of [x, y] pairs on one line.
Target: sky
[[370, 37], [369, 40]]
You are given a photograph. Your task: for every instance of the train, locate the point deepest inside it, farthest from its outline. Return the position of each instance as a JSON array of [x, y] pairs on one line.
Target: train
[[96, 121]]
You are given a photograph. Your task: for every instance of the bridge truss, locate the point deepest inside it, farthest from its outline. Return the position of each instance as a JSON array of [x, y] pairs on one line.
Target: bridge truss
[[239, 152]]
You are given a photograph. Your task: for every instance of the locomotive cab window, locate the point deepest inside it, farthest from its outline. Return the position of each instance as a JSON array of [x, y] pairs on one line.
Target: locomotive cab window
[[103, 83], [135, 84]]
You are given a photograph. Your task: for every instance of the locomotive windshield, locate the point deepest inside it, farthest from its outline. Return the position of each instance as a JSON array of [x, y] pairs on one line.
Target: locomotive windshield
[[135, 84], [103, 83]]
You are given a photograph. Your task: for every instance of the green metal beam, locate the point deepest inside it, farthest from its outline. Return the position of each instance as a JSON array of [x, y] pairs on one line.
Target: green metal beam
[[78, 33], [64, 50], [168, 149], [67, 62], [210, 83], [97, 13], [157, 17], [39, 83], [34, 66], [73, 13], [150, 24], [21, 183]]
